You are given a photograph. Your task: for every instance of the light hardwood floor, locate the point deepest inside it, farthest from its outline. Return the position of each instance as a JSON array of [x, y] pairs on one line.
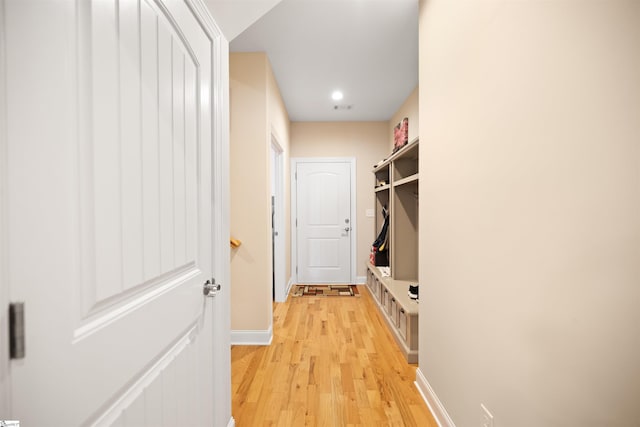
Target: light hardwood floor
[[332, 362]]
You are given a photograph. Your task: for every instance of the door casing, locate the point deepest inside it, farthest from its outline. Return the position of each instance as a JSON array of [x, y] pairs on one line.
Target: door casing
[[4, 284], [281, 290]]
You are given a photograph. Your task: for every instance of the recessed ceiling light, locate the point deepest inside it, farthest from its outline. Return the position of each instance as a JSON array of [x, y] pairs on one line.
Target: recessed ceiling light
[[337, 95]]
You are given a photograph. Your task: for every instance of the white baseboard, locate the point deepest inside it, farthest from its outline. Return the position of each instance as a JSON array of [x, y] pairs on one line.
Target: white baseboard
[[252, 337], [361, 280], [289, 285], [232, 422], [435, 406]]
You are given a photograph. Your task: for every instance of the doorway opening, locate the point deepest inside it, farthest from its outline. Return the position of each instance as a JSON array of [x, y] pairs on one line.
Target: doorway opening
[[279, 285]]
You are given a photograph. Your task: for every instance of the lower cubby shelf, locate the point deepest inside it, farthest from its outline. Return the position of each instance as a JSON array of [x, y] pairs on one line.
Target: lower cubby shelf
[[399, 311]]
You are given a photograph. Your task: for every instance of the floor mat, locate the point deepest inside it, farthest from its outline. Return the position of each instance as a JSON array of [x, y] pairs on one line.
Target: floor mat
[[325, 290]]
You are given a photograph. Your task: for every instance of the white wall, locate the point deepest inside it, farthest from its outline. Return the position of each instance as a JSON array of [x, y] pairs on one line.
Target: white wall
[[530, 210]]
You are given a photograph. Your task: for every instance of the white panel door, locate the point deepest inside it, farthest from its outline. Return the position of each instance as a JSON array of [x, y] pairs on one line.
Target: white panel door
[[323, 195], [109, 216]]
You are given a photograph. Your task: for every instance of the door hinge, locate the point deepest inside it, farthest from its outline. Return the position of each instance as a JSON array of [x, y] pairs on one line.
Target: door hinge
[[296, 174], [296, 222], [16, 330], [296, 269]]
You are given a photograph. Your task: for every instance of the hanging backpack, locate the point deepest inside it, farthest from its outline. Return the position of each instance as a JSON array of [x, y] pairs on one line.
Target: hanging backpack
[[380, 248]]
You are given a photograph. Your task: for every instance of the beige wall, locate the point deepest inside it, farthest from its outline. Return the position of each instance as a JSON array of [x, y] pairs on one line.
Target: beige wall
[[256, 111], [409, 109], [368, 143], [530, 210]]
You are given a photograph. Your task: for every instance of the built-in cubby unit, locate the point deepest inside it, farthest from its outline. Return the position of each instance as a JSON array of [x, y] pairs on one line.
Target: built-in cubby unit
[[399, 311], [396, 187]]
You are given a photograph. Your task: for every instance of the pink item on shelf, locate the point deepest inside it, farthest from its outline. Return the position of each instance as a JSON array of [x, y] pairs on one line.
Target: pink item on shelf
[[401, 134]]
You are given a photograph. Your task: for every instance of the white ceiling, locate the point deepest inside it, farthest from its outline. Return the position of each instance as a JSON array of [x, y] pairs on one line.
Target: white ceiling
[[234, 16], [366, 48]]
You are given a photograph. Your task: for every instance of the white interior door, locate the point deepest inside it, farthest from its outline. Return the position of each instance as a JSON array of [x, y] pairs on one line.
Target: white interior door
[[108, 207], [324, 227]]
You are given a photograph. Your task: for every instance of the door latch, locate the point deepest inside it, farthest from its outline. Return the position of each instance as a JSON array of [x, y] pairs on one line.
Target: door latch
[[210, 288]]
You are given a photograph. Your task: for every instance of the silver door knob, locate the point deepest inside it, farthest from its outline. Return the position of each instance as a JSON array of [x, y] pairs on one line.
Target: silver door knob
[[210, 288]]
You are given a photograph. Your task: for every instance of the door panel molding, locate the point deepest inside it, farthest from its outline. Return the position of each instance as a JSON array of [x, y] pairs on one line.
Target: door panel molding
[[143, 386], [101, 316], [294, 213], [137, 120]]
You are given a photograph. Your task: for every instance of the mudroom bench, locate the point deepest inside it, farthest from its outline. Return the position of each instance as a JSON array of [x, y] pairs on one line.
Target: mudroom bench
[[399, 311]]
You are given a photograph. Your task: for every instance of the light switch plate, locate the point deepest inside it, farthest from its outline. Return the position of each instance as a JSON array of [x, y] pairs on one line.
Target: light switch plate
[[369, 213]]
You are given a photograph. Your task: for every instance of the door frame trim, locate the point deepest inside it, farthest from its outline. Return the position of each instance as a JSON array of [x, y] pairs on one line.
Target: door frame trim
[[5, 372], [220, 135], [277, 173], [294, 210]]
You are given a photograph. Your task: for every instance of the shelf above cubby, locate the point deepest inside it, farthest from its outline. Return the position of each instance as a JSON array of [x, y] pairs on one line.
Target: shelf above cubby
[[382, 188], [381, 167], [409, 151], [408, 180]]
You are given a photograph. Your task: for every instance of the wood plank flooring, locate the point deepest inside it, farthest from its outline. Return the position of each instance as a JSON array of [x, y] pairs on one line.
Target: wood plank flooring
[[332, 362]]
